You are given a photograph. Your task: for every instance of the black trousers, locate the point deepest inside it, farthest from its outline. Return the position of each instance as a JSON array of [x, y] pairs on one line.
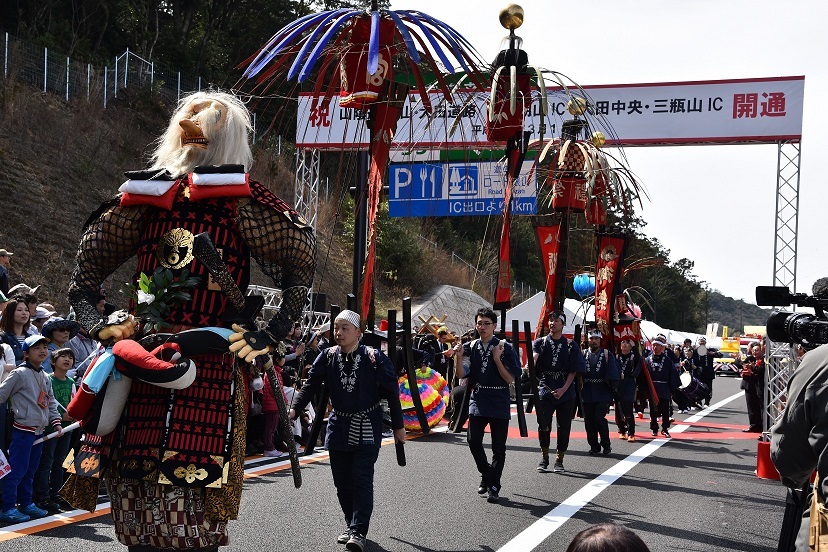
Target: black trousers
[[663, 410], [499, 428], [625, 417], [754, 407], [459, 415], [564, 412], [709, 396], [595, 423], [353, 476]]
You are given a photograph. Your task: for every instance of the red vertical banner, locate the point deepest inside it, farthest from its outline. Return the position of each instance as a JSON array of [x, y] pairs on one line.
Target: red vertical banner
[[549, 244], [385, 115], [503, 293], [611, 250], [515, 153]]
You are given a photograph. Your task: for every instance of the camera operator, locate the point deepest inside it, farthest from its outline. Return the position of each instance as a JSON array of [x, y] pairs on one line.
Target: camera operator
[[800, 437], [752, 370]]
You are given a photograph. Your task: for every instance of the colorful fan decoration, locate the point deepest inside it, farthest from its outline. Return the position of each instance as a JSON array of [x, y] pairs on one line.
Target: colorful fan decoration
[[430, 376], [434, 404]]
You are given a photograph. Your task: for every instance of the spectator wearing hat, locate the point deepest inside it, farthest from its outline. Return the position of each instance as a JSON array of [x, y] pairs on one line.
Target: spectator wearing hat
[[41, 315], [600, 382], [50, 473], [665, 380], [557, 361], [5, 262], [58, 331], [357, 377], [34, 409], [325, 336]]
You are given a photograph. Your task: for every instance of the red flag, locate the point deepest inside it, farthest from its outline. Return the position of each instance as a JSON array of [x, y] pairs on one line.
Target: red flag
[[611, 251], [384, 124], [549, 243]]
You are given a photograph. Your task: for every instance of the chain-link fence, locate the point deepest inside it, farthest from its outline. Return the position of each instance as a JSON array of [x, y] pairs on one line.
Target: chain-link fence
[[53, 72]]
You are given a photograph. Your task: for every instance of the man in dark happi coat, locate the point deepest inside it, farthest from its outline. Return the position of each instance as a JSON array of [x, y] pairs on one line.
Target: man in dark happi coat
[[357, 377], [492, 366], [557, 361], [665, 381], [600, 380]]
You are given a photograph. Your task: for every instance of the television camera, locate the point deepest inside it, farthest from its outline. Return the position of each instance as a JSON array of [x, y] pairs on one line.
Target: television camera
[[809, 330]]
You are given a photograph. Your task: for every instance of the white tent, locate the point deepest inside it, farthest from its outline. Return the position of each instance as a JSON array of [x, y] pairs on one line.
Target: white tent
[[575, 313], [531, 308]]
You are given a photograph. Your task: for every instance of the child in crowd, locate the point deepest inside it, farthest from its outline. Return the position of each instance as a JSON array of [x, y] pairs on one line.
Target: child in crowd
[[34, 408], [49, 477], [270, 409]]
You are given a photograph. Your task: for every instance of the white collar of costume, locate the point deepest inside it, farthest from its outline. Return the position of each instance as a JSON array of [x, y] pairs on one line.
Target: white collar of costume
[[157, 183]]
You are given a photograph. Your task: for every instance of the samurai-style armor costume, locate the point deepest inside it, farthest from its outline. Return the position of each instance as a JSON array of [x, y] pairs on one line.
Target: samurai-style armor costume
[[174, 466]]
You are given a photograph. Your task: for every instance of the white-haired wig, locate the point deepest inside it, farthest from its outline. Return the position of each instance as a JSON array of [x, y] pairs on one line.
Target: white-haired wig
[[228, 143]]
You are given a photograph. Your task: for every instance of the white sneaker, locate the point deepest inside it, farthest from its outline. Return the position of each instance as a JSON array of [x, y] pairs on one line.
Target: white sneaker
[[275, 453], [388, 433]]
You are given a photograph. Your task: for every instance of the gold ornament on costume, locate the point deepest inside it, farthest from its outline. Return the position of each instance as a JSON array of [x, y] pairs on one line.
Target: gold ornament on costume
[[511, 17], [576, 106], [175, 250], [598, 139]]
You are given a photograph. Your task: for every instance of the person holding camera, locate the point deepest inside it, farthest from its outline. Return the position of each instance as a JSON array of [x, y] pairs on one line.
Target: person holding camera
[[799, 438], [752, 370]]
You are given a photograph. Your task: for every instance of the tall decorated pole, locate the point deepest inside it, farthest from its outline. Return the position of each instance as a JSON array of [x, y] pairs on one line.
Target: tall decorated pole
[[372, 49], [510, 99]]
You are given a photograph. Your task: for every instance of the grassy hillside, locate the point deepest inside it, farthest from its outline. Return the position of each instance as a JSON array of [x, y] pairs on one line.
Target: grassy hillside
[[62, 160]]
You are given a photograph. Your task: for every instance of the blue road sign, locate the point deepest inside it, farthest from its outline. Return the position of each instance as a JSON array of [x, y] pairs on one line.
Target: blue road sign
[[456, 189]]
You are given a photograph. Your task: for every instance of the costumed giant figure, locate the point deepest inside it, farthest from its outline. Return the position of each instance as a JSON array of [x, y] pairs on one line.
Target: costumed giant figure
[[174, 464]]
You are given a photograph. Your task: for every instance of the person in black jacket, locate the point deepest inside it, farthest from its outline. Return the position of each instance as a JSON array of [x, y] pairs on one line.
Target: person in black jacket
[[753, 379], [491, 365], [357, 377]]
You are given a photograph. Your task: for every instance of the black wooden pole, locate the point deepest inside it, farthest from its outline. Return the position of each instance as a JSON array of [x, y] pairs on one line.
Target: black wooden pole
[[411, 370], [322, 402], [524, 432], [530, 363]]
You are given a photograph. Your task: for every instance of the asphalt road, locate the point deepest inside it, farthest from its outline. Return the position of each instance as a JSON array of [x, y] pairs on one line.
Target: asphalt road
[[694, 492]]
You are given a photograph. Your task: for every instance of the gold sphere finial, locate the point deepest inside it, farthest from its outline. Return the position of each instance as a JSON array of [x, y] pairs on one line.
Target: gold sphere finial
[[511, 17], [598, 139], [576, 106]]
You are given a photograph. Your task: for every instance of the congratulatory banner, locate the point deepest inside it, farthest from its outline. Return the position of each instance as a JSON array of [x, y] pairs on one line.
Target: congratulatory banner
[[761, 110]]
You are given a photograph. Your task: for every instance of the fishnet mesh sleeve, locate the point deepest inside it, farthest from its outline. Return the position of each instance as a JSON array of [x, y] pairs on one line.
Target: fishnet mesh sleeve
[[110, 237], [286, 252]]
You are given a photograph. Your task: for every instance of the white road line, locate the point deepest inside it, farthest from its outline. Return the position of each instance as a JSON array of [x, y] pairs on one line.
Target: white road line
[[531, 537]]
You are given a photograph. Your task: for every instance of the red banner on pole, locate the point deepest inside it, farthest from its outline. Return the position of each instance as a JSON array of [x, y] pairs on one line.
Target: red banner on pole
[[385, 115], [611, 251], [549, 244], [515, 152]]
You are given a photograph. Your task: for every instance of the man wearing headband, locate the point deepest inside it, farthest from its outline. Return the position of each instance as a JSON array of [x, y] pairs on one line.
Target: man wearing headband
[[665, 380], [557, 360], [357, 377], [491, 366], [600, 380]]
